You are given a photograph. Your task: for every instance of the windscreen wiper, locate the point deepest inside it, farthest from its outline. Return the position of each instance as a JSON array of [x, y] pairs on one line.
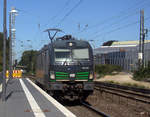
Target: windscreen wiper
[[79, 62], [65, 61]]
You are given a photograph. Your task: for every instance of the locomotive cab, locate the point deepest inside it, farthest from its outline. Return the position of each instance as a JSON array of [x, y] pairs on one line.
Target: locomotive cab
[[70, 68]]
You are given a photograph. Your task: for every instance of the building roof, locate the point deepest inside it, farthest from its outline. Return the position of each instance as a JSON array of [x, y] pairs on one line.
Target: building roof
[[121, 46], [119, 43]]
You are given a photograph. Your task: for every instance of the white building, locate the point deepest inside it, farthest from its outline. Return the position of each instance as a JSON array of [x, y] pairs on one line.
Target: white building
[[123, 53]]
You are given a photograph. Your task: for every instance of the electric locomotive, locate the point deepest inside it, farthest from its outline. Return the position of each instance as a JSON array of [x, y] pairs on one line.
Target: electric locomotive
[[65, 68]]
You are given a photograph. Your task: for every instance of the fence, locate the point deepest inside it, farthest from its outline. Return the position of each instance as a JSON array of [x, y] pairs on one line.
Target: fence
[[128, 60]]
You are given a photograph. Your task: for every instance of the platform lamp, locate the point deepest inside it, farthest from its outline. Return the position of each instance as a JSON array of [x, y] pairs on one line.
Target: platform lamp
[[11, 13]]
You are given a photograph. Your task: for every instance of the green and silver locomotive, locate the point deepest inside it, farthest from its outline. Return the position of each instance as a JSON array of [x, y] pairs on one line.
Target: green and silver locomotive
[[65, 68]]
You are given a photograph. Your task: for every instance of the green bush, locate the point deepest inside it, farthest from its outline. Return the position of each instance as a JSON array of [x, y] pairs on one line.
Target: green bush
[[107, 69], [142, 73]]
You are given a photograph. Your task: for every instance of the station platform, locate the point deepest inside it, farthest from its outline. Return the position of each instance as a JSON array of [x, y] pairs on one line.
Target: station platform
[[26, 99]]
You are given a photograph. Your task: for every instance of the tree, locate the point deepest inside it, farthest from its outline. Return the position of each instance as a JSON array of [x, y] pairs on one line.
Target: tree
[[1, 52], [28, 60]]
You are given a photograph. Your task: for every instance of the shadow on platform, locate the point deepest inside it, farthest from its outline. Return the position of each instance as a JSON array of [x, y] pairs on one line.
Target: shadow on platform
[[0, 95], [9, 88], [1, 78], [0, 84]]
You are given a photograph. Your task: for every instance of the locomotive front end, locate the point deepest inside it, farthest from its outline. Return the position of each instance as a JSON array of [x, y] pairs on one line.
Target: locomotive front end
[[72, 73]]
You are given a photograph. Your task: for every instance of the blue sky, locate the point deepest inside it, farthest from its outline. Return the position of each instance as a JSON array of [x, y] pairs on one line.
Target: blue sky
[[98, 20]]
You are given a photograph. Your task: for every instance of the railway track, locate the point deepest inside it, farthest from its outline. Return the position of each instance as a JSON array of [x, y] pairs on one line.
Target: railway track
[[80, 109], [83, 109], [141, 97], [94, 110], [134, 89], [139, 92]]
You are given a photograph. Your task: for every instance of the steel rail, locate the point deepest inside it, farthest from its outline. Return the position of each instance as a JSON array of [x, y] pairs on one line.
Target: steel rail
[[95, 110], [125, 96], [124, 91], [140, 90]]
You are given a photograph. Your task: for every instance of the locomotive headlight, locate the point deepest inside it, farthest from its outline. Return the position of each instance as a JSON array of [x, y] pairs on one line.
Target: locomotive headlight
[[72, 75], [52, 75], [70, 44], [91, 76]]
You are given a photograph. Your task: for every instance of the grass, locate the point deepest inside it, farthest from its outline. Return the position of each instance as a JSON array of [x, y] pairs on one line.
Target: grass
[[128, 84], [107, 69], [142, 73]]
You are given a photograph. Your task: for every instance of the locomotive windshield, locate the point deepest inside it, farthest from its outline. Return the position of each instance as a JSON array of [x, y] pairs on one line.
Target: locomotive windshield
[[62, 54], [71, 54], [80, 54]]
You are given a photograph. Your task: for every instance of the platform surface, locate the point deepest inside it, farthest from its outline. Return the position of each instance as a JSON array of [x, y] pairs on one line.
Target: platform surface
[[25, 99]]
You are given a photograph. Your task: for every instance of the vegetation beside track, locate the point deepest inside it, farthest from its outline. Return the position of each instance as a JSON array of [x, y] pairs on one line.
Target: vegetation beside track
[[128, 84], [142, 74], [1, 51], [107, 69], [28, 60]]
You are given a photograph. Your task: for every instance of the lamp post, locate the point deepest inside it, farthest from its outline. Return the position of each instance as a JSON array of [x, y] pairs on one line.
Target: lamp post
[[13, 13], [10, 47], [4, 52]]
